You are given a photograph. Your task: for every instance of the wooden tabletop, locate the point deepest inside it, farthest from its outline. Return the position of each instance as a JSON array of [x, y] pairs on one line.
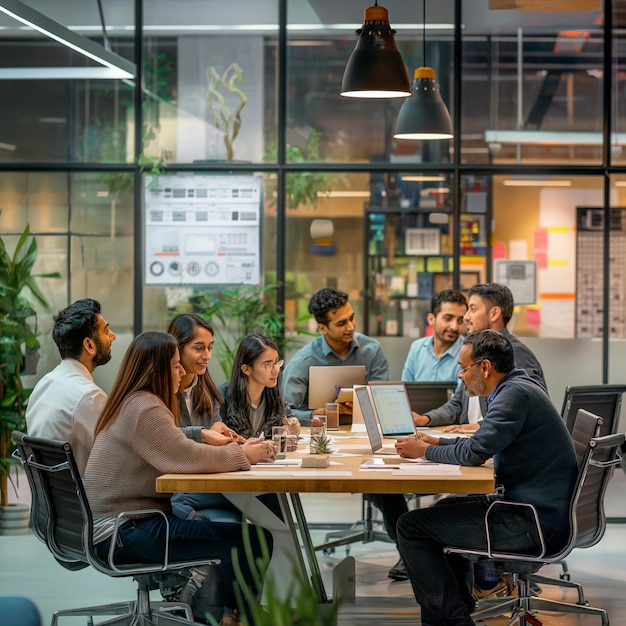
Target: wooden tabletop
[[342, 476]]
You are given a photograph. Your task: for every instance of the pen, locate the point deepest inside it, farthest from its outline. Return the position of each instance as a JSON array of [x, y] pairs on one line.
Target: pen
[[231, 436]]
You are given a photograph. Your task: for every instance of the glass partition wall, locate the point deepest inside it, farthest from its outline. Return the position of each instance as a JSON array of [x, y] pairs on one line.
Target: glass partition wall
[[236, 106]]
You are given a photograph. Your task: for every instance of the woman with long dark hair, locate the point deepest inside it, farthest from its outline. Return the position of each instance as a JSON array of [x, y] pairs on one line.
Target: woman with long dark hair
[[137, 440], [253, 402]]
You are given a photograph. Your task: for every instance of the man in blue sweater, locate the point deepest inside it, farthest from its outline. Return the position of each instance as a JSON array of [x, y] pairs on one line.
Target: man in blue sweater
[[534, 462]]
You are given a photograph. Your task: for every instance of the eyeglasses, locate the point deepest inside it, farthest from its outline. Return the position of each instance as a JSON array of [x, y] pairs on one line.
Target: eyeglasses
[[268, 367], [462, 371]]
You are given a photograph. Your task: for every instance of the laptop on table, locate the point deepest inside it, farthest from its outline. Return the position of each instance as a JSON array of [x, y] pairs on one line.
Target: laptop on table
[[393, 408], [326, 380], [362, 396], [427, 395]]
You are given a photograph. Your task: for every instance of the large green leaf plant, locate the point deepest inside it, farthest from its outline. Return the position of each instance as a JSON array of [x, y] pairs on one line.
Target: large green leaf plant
[[18, 336]]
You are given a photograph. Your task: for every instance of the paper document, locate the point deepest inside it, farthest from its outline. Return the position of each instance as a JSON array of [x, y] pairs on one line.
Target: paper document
[[427, 469]]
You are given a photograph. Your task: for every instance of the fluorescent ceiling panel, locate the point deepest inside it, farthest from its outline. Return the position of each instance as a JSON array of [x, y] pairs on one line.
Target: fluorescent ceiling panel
[[112, 66]]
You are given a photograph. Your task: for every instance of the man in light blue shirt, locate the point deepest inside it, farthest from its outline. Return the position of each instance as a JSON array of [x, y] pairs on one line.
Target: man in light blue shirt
[[436, 357], [339, 344]]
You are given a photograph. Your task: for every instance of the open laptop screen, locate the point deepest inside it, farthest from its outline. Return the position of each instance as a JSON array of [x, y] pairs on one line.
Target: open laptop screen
[[427, 395], [393, 408]]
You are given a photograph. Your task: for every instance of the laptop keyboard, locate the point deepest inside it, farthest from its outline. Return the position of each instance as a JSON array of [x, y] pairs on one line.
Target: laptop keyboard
[[385, 450]]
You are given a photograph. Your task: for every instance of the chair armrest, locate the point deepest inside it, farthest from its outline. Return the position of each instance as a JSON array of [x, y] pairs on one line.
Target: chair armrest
[[501, 503], [156, 567]]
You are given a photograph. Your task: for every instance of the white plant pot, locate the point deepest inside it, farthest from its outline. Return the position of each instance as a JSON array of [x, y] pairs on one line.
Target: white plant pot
[[14, 519]]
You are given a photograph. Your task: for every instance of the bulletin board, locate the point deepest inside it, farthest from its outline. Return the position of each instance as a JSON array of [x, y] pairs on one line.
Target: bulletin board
[[202, 229], [520, 277]]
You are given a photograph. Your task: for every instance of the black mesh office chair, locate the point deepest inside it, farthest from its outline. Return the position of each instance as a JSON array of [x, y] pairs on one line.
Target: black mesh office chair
[[61, 518], [587, 524], [604, 401]]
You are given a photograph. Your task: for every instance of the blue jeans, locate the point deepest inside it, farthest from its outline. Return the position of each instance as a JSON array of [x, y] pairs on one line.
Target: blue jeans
[[143, 541], [443, 583]]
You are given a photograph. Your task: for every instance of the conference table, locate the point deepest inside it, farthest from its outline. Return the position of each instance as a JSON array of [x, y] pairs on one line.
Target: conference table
[[287, 479]]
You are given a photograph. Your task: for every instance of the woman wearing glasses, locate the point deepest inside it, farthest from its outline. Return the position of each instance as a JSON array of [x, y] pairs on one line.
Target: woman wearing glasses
[[253, 401]]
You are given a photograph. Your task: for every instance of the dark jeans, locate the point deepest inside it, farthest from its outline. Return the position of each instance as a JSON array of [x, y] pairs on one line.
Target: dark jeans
[[443, 584], [143, 541], [392, 507], [216, 507]]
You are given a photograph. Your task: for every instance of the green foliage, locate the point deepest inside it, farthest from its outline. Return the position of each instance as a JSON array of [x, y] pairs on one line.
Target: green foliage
[[302, 187], [234, 313], [18, 335], [299, 606], [223, 118]]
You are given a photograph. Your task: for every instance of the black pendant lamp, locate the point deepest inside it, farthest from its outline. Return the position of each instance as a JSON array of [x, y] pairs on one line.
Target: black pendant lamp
[[424, 115], [375, 68]]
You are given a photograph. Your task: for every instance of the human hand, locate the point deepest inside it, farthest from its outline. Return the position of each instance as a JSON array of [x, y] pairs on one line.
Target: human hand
[[258, 450], [412, 447], [292, 424], [220, 427], [214, 438], [463, 429], [345, 408], [420, 420]]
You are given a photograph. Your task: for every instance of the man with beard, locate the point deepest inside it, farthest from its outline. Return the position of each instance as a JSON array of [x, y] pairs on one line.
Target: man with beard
[[490, 306], [66, 404], [435, 357], [524, 434]]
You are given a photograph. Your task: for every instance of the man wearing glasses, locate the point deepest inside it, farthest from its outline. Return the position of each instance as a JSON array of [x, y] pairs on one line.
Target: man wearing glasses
[[490, 306]]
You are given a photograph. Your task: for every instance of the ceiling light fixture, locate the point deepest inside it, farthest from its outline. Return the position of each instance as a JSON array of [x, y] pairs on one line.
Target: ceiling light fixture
[[375, 68], [424, 115], [535, 182], [112, 66]]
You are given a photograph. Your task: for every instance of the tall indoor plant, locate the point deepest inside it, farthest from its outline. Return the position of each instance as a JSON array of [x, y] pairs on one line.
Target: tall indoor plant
[[18, 337]]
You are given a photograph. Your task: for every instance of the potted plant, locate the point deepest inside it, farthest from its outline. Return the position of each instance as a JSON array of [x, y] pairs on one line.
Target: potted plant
[[18, 337], [301, 188], [234, 312]]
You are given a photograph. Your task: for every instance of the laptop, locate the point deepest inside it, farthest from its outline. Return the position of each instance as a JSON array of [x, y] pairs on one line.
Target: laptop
[[371, 425], [393, 408], [427, 395], [326, 380]]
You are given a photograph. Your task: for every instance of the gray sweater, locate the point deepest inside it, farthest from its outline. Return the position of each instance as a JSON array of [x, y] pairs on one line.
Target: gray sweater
[[533, 454]]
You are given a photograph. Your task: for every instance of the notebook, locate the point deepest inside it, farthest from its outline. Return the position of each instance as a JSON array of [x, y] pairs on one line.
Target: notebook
[[371, 425], [427, 395], [393, 408], [326, 380]]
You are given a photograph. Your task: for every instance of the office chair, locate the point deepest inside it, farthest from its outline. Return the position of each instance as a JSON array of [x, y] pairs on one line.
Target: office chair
[[62, 519], [587, 525], [605, 401]]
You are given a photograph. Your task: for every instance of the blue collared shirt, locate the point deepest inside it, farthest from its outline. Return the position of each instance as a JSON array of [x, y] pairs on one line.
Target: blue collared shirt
[[422, 363], [363, 351]]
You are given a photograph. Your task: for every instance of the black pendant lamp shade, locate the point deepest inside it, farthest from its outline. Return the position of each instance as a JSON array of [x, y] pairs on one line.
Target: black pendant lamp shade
[[375, 68], [424, 115]]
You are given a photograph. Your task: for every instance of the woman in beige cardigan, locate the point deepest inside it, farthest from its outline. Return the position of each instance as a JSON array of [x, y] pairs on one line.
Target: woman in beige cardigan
[[137, 439]]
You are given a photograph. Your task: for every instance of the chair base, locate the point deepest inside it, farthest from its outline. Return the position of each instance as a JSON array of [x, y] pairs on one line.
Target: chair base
[[524, 606], [127, 614]]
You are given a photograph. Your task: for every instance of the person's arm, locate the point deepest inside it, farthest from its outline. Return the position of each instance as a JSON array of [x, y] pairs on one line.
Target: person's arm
[[296, 390], [379, 367], [408, 371], [454, 411]]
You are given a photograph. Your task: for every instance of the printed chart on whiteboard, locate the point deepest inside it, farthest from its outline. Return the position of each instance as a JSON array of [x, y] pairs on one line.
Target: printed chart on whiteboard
[[202, 229]]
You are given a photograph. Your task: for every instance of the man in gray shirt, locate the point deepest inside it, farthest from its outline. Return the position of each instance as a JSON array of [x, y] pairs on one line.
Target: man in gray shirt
[[338, 344]]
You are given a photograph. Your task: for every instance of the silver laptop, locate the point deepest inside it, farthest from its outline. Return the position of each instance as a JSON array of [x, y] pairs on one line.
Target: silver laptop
[[393, 408], [326, 380], [371, 425]]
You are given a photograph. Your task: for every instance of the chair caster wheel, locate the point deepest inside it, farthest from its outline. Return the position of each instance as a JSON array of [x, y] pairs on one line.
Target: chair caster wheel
[[328, 551], [565, 576]]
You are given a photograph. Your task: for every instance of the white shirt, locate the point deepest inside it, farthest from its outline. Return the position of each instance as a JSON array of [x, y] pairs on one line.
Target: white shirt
[[66, 405]]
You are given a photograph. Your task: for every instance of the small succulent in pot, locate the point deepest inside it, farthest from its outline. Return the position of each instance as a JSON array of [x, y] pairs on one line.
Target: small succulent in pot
[[320, 444]]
